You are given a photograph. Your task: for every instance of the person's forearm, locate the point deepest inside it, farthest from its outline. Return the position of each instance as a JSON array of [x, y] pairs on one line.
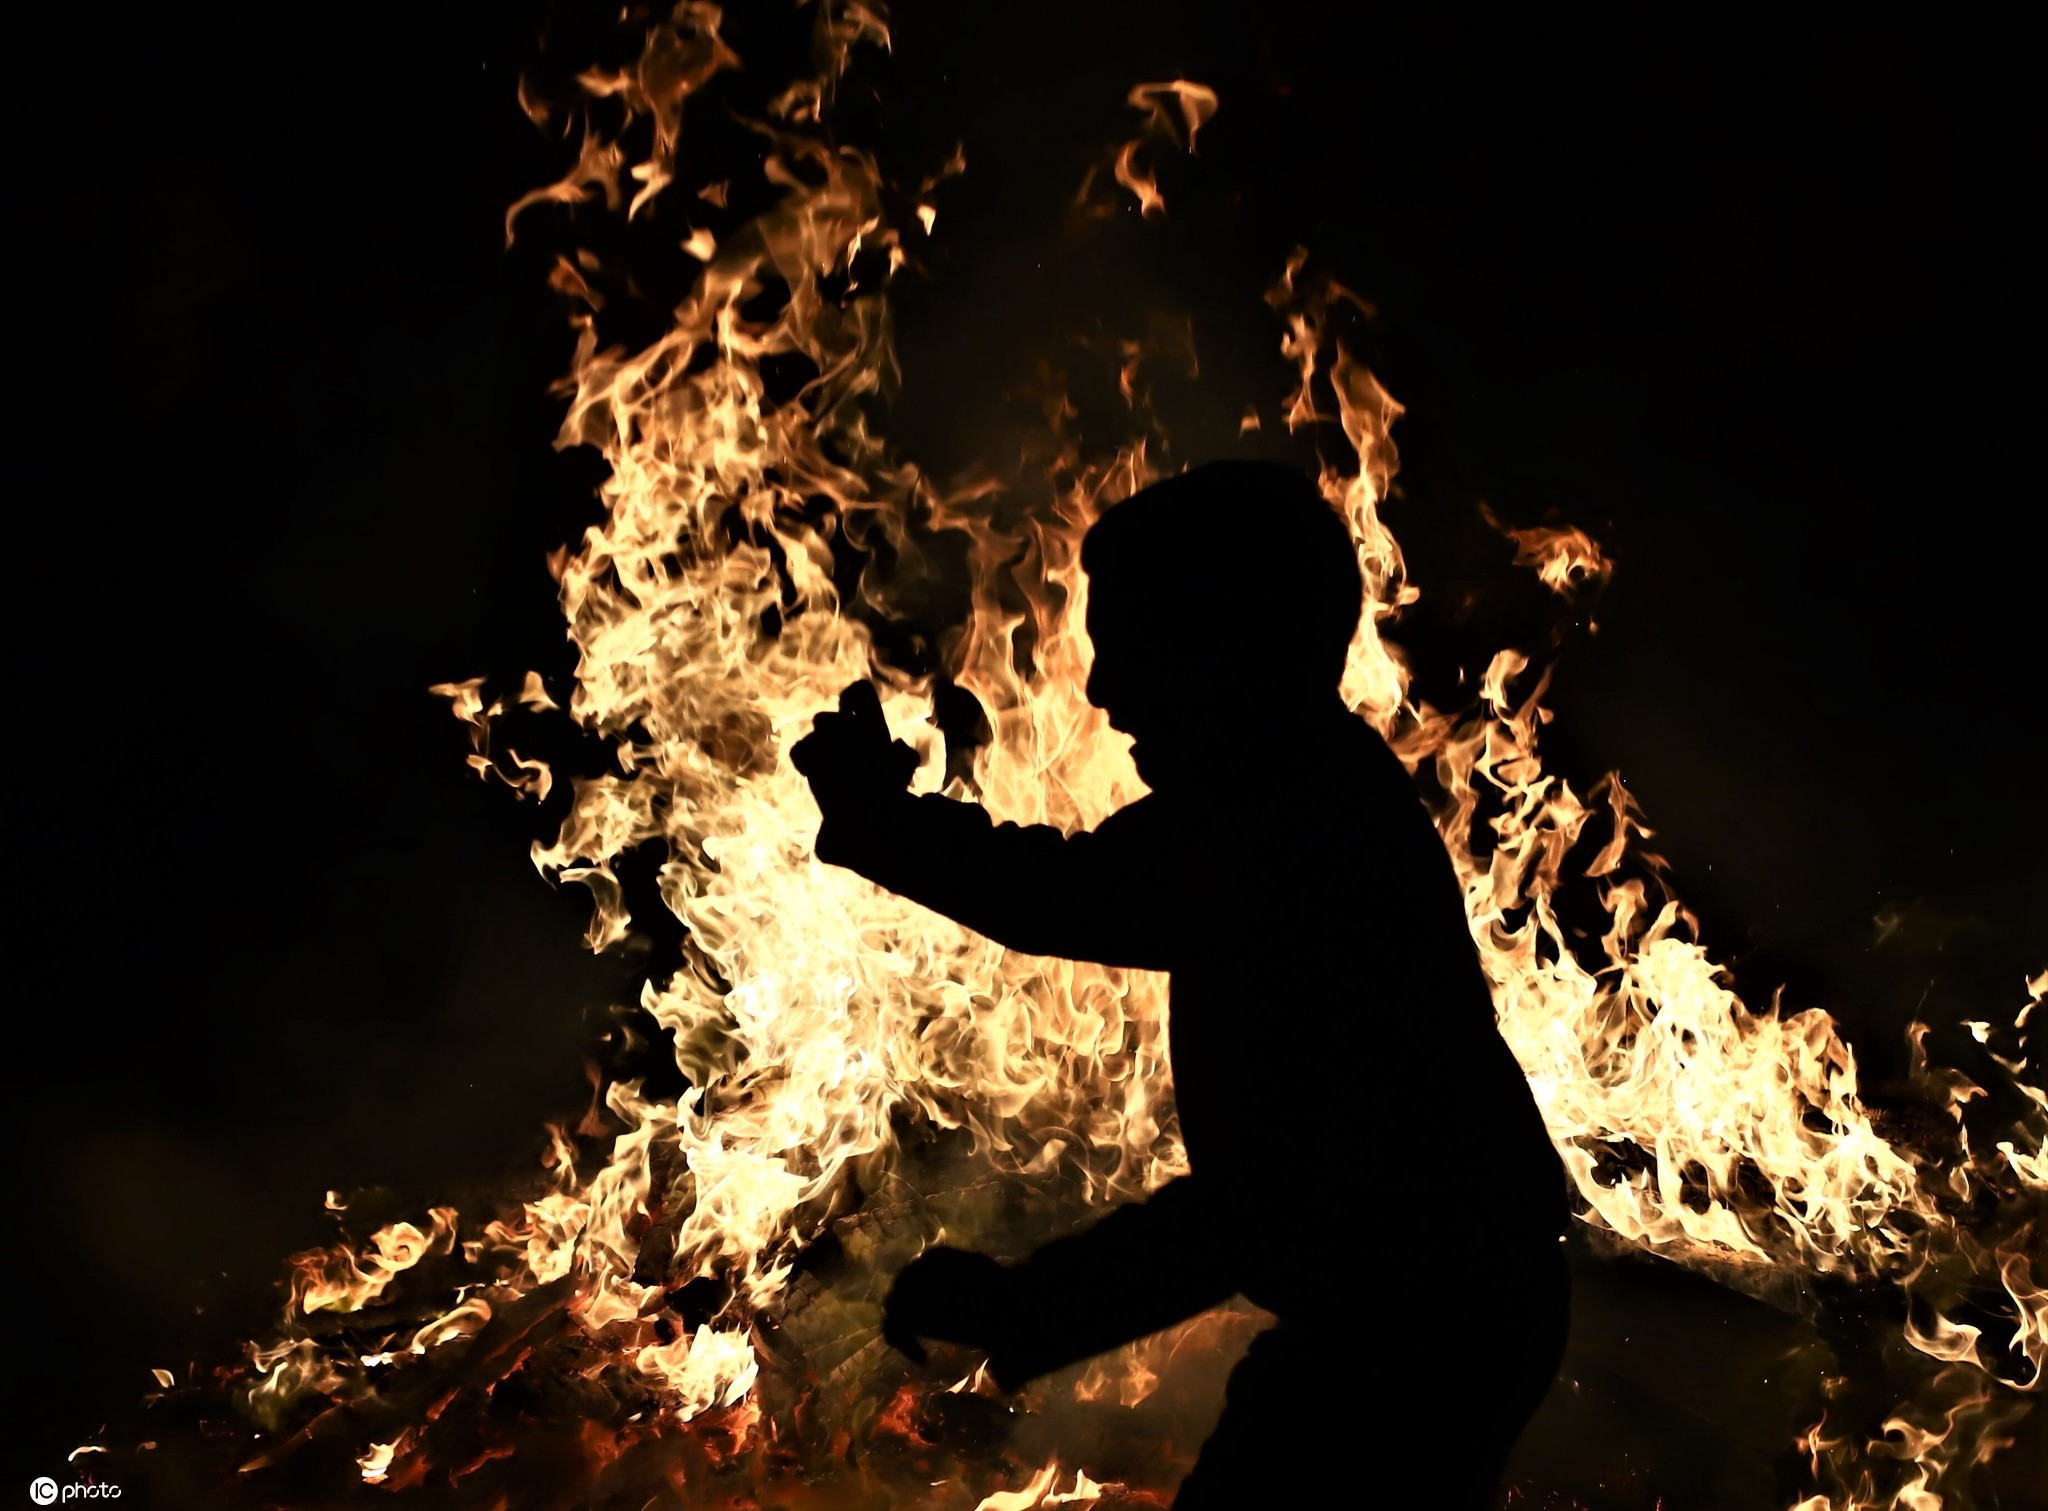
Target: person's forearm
[[899, 842], [1143, 1268], [1028, 888]]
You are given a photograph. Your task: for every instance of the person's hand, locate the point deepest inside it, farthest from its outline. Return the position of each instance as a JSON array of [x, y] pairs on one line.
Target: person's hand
[[848, 757], [948, 1294]]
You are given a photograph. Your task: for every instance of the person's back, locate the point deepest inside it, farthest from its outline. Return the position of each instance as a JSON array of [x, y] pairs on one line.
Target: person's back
[[1366, 1160], [1335, 1060]]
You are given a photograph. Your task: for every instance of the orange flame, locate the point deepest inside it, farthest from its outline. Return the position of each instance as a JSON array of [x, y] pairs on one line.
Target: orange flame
[[815, 1016]]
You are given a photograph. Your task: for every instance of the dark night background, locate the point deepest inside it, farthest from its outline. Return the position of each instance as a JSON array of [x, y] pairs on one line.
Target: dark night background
[[1756, 306]]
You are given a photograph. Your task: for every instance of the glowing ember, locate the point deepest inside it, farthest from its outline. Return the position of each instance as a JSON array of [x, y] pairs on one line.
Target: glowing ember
[[861, 1070]]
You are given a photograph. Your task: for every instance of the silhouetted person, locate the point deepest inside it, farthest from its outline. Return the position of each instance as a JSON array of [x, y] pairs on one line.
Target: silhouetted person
[[1366, 1159]]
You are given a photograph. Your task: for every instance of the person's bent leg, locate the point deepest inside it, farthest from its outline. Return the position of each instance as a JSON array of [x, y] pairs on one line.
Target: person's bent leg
[[1417, 1408]]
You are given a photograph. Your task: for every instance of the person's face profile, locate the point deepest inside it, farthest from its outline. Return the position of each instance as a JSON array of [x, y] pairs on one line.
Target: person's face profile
[[1146, 675]]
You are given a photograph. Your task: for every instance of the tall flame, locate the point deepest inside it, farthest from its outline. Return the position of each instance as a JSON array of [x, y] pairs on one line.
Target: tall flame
[[816, 1018]]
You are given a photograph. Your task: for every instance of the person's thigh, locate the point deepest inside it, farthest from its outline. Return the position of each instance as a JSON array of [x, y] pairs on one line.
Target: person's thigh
[[1266, 1449], [1419, 1411]]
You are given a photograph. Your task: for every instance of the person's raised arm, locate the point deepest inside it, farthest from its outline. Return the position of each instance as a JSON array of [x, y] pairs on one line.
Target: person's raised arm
[[1093, 896]]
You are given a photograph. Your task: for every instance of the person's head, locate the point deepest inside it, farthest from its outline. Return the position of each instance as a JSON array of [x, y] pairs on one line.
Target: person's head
[[1228, 591]]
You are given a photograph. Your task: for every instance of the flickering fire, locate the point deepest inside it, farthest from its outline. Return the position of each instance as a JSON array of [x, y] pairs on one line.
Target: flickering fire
[[862, 1069]]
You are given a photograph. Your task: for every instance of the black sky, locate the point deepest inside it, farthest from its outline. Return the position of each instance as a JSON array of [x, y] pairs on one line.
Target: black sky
[[1755, 304]]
